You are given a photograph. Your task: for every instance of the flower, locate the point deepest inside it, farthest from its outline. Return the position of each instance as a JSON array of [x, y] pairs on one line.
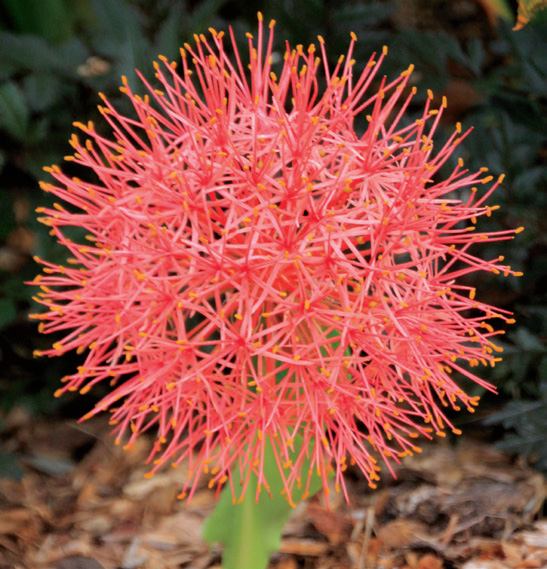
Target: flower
[[255, 269]]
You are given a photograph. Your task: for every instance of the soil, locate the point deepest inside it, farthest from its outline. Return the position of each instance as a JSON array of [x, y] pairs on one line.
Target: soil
[[82, 503]]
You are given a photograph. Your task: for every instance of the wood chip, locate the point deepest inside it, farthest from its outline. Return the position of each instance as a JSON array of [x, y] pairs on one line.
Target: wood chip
[[305, 547]]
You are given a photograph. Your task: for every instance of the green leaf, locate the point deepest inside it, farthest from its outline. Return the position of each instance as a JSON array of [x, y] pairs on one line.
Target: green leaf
[[251, 531], [528, 11], [72, 53], [8, 313], [41, 90], [527, 341], [47, 18], [14, 113], [10, 467], [203, 13], [116, 20], [29, 53], [121, 36], [167, 41]]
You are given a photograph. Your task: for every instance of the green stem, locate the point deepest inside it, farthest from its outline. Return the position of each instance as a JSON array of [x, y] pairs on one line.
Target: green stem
[[51, 19], [251, 530]]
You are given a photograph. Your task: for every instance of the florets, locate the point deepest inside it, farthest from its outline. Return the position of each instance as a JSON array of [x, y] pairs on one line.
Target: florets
[[256, 270]]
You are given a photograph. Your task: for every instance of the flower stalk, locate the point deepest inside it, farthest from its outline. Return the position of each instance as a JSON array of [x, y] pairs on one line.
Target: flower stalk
[[250, 527]]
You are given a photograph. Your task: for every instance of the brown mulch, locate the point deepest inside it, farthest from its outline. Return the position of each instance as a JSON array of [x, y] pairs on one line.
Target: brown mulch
[[83, 503]]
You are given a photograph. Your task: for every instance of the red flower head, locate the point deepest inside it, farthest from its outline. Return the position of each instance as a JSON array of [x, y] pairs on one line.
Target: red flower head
[[256, 269]]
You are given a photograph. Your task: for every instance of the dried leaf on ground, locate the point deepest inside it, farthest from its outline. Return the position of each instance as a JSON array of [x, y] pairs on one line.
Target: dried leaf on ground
[[451, 508]]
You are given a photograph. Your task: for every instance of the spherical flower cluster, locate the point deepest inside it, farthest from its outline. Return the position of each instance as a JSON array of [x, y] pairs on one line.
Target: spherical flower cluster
[[256, 270]]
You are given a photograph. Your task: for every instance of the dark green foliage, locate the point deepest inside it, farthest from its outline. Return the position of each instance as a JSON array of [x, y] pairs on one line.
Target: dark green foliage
[[53, 20], [526, 426]]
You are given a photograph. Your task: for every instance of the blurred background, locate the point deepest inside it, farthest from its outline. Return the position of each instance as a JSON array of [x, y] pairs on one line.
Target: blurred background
[[55, 55]]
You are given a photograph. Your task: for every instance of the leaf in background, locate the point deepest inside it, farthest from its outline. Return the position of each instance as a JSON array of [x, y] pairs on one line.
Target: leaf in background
[[41, 90], [497, 9], [421, 44], [115, 20], [10, 467], [528, 422], [513, 412], [8, 312], [527, 68], [528, 11], [251, 531], [527, 341], [365, 20], [33, 162], [14, 113], [370, 15], [72, 53], [476, 55], [28, 53], [49, 19], [121, 37], [203, 13], [167, 40]]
